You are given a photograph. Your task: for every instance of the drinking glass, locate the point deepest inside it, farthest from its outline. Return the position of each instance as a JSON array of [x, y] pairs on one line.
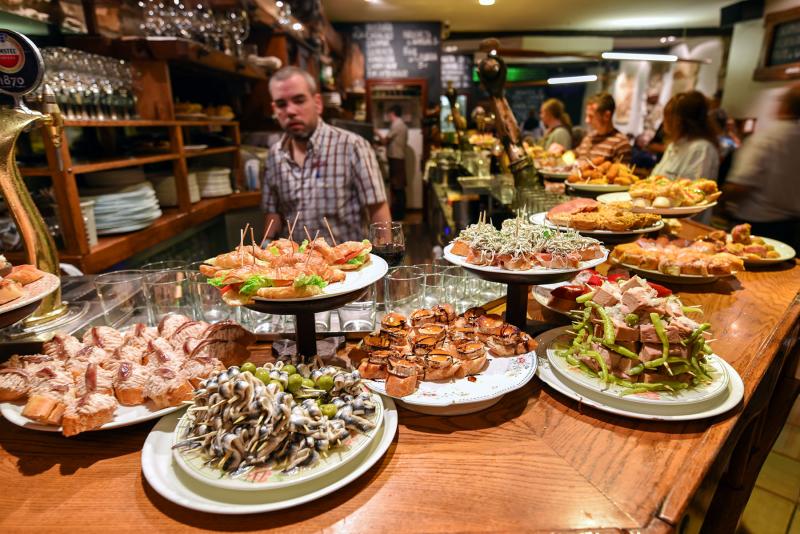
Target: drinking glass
[[433, 290], [388, 241], [167, 286], [322, 321], [261, 323], [122, 297], [404, 290], [207, 300], [359, 315]]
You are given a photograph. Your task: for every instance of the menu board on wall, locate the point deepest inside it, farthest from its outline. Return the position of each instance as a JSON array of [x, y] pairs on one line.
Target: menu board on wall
[[457, 69], [402, 50], [785, 44], [522, 99]]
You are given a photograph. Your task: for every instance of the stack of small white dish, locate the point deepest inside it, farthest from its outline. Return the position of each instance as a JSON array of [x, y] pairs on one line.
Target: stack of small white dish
[[723, 394], [165, 189], [123, 209], [214, 182], [190, 484]]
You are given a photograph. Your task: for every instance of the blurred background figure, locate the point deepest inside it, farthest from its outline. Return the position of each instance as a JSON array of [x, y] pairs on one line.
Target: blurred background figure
[[692, 151], [603, 139], [557, 126], [763, 187], [396, 142], [531, 126]]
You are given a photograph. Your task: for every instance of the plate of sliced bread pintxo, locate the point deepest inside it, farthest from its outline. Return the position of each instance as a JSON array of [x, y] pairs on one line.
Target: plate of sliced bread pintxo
[[22, 287]]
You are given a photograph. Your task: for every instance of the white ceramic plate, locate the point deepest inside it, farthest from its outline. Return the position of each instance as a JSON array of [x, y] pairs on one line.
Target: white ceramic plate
[[541, 218], [598, 188], [170, 482], [711, 408], [195, 147], [124, 229], [124, 416], [694, 395], [679, 211], [461, 261], [786, 253], [502, 375], [264, 478], [553, 176], [694, 279], [32, 292], [354, 280]]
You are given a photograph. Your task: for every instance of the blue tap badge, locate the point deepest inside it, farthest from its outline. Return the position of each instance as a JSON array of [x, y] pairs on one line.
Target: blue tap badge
[[21, 65]]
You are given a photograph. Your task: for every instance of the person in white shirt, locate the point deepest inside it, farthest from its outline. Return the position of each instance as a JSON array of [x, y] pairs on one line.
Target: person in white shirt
[[693, 151], [396, 142], [763, 187], [558, 133]]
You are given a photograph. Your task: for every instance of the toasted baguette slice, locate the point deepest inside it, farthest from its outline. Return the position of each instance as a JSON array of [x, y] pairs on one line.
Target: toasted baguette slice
[[25, 274], [44, 409], [89, 412], [9, 290]]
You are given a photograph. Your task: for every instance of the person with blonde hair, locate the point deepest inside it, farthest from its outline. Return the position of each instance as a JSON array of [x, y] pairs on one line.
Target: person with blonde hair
[[558, 126]]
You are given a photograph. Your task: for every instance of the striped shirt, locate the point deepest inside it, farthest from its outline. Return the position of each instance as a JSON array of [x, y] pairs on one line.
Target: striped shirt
[[613, 146], [338, 179]]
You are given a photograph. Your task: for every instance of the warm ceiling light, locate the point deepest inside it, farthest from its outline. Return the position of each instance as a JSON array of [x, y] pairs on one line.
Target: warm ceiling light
[[297, 26], [572, 79], [486, 2], [450, 49], [639, 57]]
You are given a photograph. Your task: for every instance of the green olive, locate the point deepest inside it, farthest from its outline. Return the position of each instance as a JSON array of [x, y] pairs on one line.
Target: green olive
[[289, 369], [308, 383], [262, 374], [328, 410], [325, 382], [248, 367], [278, 383], [294, 383]]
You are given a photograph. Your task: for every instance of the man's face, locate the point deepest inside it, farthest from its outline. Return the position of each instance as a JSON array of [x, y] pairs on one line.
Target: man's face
[[297, 109], [598, 121]]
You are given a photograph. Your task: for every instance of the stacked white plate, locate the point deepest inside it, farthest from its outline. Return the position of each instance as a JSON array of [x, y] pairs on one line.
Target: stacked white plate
[[123, 209], [214, 182], [165, 189]]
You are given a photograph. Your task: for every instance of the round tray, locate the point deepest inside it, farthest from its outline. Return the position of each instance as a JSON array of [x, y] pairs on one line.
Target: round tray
[[786, 253], [605, 236], [679, 212], [554, 176], [20, 308], [530, 277], [658, 276], [597, 188]]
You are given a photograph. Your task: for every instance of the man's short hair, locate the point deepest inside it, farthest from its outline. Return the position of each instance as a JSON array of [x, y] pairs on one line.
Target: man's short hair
[[287, 72], [604, 102], [397, 110], [790, 102]]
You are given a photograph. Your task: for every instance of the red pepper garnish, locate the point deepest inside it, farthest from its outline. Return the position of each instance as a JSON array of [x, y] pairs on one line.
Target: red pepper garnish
[[595, 280], [569, 292], [661, 291], [225, 289], [618, 276]]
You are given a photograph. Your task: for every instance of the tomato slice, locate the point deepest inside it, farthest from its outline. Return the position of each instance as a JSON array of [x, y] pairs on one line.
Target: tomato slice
[[595, 280], [661, 291], [618, 276]]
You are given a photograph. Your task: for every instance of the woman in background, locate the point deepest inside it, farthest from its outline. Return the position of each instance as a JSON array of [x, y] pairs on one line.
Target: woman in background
[[558, 126], [693, 149]]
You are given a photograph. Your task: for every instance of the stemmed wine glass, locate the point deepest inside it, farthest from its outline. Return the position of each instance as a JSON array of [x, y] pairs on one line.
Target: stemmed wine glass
[[388, 241]]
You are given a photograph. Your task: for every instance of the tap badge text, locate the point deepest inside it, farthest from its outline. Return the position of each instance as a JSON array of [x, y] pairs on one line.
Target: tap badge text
[[12, 56]]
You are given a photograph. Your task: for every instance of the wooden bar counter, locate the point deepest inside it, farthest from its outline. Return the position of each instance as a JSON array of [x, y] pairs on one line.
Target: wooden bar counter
[[536, 461]]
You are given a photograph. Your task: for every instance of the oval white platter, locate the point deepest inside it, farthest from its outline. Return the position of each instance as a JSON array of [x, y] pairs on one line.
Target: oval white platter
[[554, 175], [694, 279], [786, 253], [598, 188], [354, 280], [170, 482], [462, 261], [266, 479], [541, 218], [584, 396], [541, 294], [693, 395], [123, 416], [502, 375], [677, 211], [33, 292]]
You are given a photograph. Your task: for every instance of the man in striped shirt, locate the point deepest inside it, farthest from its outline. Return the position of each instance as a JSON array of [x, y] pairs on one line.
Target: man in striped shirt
[[603, 139], [317, 170]]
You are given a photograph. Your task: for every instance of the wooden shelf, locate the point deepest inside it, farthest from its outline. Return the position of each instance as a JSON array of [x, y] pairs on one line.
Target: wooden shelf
[[111, 250], [34, 171], [208, 122], [210, 151], [105, 165], [117, 123]]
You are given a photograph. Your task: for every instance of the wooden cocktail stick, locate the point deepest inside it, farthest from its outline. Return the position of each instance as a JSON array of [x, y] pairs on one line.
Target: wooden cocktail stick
[[325, 219]]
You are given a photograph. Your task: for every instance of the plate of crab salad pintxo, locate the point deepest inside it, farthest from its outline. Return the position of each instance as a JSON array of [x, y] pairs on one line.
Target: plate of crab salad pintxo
[[639, 352]]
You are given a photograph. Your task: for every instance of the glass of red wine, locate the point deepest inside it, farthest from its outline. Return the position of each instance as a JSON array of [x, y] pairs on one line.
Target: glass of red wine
[[388, 241]]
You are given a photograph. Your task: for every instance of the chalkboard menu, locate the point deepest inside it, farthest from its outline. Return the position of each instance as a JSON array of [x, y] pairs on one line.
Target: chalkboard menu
[[785, 44], [522, 99], [402, 50], [457, 69]]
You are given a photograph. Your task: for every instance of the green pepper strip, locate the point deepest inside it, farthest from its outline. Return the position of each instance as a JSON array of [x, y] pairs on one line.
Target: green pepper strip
[[635, 370], [699, 370], [608, 324], [700, 329], [662, 335], [601, 361], [656, 386], [622, 351], [691, 309], [587, 313], [585, 297]]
